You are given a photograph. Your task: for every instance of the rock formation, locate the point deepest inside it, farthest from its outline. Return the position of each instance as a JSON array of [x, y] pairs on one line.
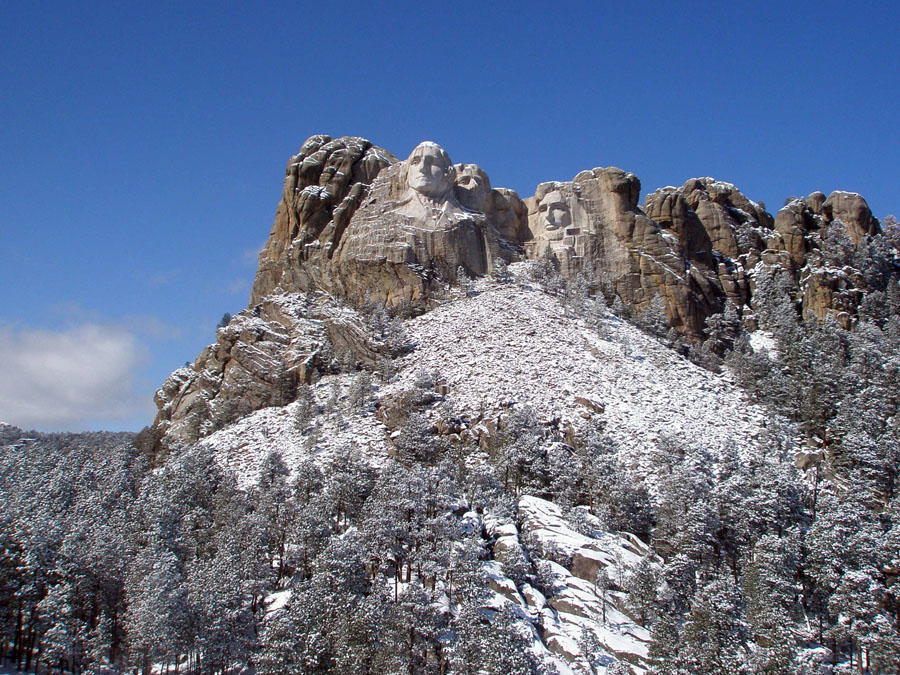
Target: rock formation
[[356, 222], [259, 360], [411, 233], [821, 237], [323, 186], [369, 230], [593, 226]]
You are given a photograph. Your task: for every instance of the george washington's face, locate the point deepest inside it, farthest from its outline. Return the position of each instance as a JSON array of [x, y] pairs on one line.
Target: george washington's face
[[427, 170], [555, 215]]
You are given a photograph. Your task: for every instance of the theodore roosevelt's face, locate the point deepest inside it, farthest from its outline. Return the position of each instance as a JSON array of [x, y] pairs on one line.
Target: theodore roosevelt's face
[[555, 215], [427, 169]]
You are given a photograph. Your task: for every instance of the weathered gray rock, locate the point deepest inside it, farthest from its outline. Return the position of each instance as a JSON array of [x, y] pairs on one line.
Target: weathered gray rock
[[323, 185], [259, 360]]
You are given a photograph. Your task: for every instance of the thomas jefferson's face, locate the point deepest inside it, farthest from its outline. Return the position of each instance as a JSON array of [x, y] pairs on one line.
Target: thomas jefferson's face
[[555, 215], [427, 169], [471, 187]]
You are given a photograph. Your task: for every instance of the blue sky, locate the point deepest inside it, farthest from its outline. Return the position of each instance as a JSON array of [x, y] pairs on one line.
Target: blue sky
[[144, 144]]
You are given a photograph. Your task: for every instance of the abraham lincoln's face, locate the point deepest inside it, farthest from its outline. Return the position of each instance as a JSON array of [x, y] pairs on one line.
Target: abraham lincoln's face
[[555, 215]]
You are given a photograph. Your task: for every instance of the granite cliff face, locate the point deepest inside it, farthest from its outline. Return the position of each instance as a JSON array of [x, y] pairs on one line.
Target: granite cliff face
[[323, 185], [352, 222], [369, 231], [355, 222]]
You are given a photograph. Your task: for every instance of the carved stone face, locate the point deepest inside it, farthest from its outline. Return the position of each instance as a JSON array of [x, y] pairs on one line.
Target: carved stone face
[[555, 215], [428, 169], [473, 187]]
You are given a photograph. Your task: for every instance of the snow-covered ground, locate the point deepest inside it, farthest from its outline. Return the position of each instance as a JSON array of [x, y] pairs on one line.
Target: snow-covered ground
[[514, 346], [760, 340], [243, 445], [511, 346]]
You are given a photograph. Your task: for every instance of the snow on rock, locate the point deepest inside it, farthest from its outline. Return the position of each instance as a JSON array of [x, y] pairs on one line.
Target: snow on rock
[[502, 584], [568, 608], [243, 445], [760, 339], [276, 601], [576, 604], [516, 346], [512, 346]]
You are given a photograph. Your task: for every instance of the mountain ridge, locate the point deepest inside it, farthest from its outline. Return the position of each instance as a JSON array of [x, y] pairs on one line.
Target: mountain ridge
[[350, 225]]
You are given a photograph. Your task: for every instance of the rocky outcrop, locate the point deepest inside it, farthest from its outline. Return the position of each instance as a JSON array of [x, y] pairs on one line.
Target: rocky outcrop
[[593, 225], [259, 360], [364, 227], [735, 224], [820, 237], [719, 228], [323, 185], [852, 210], [721, 232], [356, 222], [794, 222], [403, 243]]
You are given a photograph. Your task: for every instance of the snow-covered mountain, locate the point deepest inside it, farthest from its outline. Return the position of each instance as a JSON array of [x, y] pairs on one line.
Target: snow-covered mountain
[[506, 347], [456, 431]]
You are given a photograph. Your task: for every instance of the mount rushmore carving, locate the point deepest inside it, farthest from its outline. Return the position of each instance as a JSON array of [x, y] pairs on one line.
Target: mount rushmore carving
[[359, 224], [355, 221]]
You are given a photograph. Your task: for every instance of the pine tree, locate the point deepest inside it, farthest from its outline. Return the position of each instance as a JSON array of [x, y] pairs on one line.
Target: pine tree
[[465, 282], [641, 586], [769, 591], [713, 634]]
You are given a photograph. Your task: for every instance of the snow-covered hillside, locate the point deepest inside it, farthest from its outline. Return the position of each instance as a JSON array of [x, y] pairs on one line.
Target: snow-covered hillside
[[506, 347], [515, 346], [511, 346]]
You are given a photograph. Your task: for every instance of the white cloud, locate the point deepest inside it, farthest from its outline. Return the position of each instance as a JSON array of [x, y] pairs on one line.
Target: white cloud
[[53, 380]]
